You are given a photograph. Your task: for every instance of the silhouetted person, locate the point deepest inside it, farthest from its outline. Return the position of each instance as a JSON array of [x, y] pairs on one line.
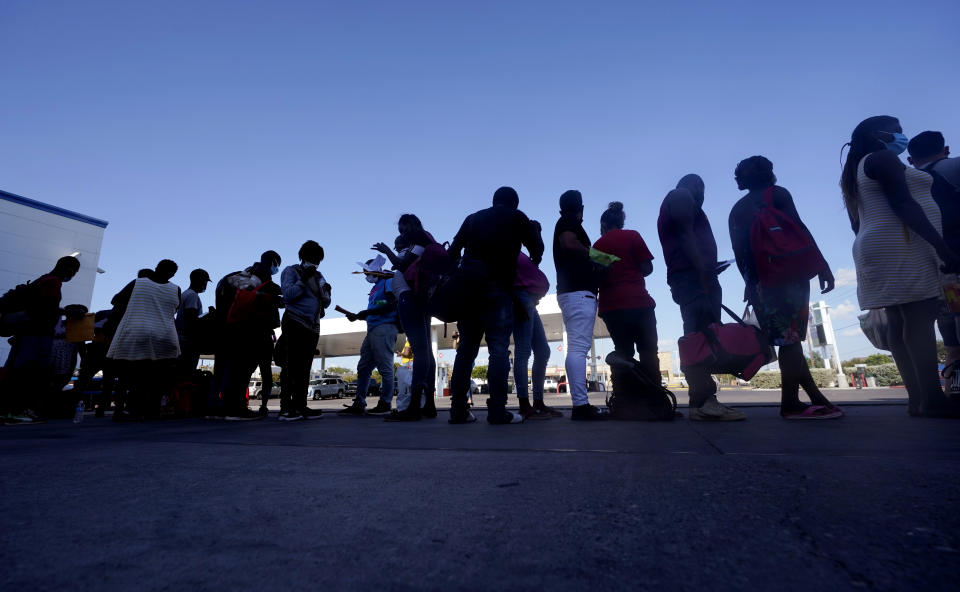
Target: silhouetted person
[[188, 321], [577, 287], [145, 347], [529, 337], [491, 238], [624, 304], [690, 253], [28, 363], [897, 252], [93, 359], [376, 351], [412, 309], [306, 294], [250, 319], [930, 154], [782, 309]]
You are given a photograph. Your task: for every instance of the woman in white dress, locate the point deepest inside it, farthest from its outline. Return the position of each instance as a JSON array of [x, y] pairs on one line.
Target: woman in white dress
[[898, 253], [146, 346]]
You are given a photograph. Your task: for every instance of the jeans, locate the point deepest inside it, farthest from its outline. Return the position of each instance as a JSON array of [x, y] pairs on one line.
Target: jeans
[[494, 319], [404, 377], [635, 327], [698, 308], [301, 345], [579, 312], [377, 352], [416, 325], [529, 334]]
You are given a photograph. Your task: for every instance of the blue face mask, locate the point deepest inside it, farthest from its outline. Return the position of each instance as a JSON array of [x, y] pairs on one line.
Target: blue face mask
[[274, 270], [899, 143]]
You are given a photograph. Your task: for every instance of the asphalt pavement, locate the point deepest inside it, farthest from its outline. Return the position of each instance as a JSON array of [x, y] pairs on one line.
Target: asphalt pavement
[[867, 502]]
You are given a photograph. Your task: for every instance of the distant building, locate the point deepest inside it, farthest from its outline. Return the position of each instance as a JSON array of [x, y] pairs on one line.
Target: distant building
[[33, 235]]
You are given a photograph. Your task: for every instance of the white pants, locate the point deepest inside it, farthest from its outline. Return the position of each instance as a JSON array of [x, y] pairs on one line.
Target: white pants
[[404, 382], [579, 310]]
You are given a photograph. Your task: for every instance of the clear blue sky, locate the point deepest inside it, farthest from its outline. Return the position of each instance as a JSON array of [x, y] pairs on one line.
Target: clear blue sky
[[207, 132]]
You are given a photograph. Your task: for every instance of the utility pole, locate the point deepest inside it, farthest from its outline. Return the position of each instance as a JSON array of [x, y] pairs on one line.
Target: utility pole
[[820, 334]]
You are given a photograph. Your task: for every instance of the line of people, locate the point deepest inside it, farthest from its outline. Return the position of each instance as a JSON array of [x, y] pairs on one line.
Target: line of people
[[903, 219]]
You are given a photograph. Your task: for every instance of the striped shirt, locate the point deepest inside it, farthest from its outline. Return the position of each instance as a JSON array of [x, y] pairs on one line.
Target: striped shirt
[[894, 265], [147, 330]]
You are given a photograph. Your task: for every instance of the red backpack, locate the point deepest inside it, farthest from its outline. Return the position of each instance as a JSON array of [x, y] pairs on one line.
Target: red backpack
[[783, 251], [426, 271]]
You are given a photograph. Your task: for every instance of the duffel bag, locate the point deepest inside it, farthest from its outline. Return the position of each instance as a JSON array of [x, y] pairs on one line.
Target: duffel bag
[[726, 348]]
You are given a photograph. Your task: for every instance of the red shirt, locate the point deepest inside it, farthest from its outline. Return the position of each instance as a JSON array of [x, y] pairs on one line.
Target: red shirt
[[623, 285]]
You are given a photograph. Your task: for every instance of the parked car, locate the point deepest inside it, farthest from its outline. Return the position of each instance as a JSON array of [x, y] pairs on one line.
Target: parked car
[[373, 390], [549, 385], [596, 386], [351, 389], [273, 394], [327, 388]]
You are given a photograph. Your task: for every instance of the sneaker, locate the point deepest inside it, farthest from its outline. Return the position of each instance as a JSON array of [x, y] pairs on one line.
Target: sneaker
[[588, 413], [290, 416], [542, 409], [714, 410], [505, 419], [380, 409], [405, 415], [429, 410], [308, 413], [245, 415], [461, 416], [355, 409]]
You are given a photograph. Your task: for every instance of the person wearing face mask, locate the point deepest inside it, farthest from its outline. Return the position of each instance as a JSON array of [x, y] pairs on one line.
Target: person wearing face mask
[[28, 363], [898, 251], [782, 307], [248, 325], [306, 294], [379, 343]]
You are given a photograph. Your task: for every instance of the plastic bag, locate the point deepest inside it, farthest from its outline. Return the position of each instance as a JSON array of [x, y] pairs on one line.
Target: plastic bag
[[951, 293], [750, 317], [874, 325]]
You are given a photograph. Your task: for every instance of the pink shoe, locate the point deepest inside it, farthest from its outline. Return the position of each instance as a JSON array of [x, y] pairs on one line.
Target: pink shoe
[[815, 412]]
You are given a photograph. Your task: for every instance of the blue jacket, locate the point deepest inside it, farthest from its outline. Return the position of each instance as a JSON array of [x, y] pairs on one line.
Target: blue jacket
[[305, 300]]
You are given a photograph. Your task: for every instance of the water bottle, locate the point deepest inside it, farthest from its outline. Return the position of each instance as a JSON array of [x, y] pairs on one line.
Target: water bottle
[[78, 416]]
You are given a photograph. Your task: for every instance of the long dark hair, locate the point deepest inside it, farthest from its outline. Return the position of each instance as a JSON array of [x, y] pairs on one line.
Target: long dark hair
[[862, 142]]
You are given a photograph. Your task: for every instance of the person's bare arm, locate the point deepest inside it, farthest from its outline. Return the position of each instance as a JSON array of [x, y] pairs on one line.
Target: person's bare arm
[[683, 212], [570, 242], [884, 167]]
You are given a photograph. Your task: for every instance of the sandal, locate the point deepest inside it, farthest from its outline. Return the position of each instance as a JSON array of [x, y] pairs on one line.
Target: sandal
[[815, 412]]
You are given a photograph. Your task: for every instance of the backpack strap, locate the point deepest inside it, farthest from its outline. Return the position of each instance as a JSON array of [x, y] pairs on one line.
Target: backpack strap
[[734, 316], [768, 196]]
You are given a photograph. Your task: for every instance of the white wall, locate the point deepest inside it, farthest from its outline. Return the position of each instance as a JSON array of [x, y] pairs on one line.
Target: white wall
[[31, 241]]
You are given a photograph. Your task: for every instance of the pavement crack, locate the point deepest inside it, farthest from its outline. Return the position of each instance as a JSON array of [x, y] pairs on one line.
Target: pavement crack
[[706, 439]]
